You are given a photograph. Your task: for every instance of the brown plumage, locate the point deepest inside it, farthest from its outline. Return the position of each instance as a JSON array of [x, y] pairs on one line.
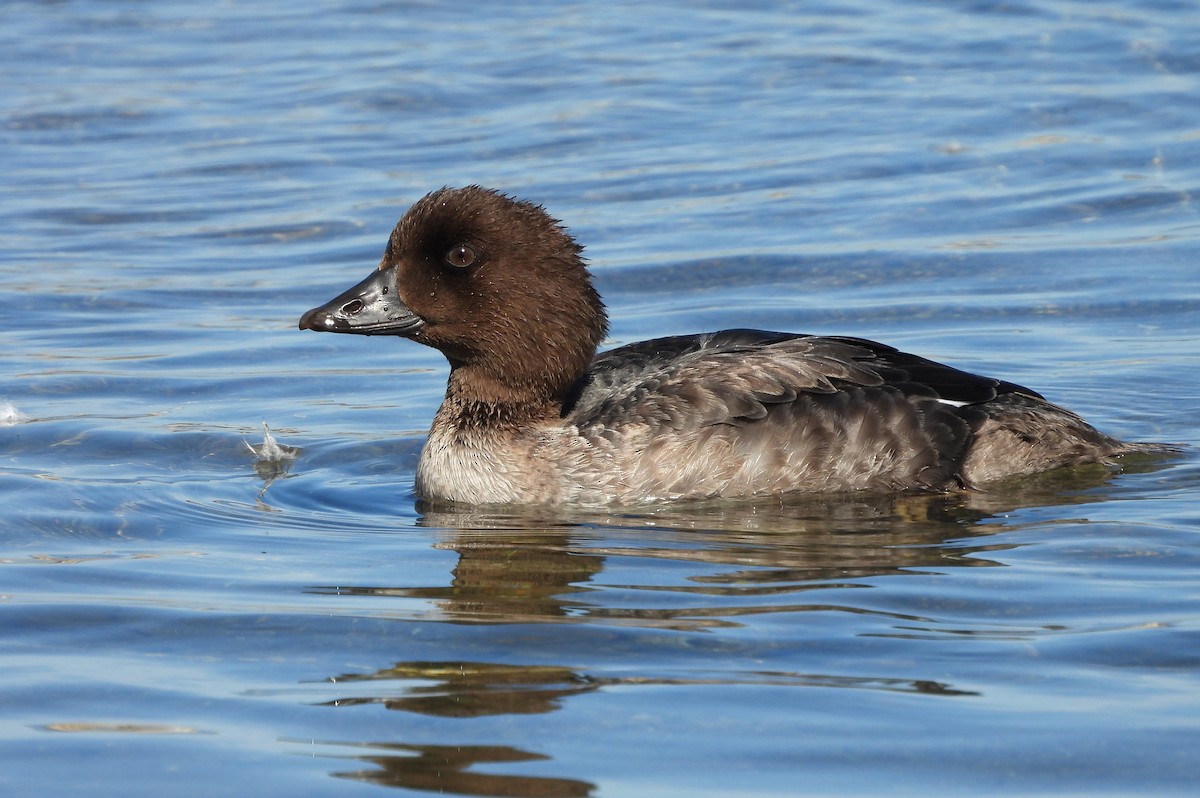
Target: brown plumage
[[531, 415]]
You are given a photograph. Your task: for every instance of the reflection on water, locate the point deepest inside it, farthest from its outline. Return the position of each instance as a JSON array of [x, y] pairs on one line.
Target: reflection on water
[[474, 689], [449, 769], [471, 689], [739, 560], [522, 565]]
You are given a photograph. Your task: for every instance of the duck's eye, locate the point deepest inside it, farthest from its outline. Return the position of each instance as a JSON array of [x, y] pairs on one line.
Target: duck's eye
[[461, 256]]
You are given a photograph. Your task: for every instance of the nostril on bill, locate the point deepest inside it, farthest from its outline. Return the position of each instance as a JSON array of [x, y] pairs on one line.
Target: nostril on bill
[[352, 307]]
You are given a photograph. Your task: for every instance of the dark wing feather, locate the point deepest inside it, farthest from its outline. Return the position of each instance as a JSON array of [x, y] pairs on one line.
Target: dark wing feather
[[898, 368], [620, 368], [725, 377], [732, 376]]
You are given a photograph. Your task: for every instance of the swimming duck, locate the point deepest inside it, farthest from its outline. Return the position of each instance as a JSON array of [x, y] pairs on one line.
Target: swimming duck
[[533, 415]]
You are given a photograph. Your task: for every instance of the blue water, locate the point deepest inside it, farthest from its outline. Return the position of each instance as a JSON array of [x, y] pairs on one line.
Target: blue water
[[1004, 186]]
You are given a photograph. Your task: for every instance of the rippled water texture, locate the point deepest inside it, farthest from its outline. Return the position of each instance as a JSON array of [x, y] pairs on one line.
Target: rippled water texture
[[1004, 186]]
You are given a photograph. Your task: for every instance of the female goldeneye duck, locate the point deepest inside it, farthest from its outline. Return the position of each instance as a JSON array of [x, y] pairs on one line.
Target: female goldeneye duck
[[532, 415]]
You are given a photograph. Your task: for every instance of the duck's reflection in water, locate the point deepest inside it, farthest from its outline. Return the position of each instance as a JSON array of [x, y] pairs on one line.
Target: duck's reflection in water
[[448, 769], [478, 689], [475, 689], [543, 566], [466, 689]]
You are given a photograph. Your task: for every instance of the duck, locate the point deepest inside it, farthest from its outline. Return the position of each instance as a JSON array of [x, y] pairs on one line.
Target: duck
[[533, 416]]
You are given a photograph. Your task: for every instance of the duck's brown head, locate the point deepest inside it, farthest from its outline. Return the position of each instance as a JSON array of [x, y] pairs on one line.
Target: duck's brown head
[[494, 283]]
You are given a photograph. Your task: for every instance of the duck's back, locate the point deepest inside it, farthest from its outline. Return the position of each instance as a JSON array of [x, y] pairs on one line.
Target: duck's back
[[743, 412]]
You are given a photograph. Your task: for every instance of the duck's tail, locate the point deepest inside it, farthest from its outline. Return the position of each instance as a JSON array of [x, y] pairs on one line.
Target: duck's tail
[[1016, 434]]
